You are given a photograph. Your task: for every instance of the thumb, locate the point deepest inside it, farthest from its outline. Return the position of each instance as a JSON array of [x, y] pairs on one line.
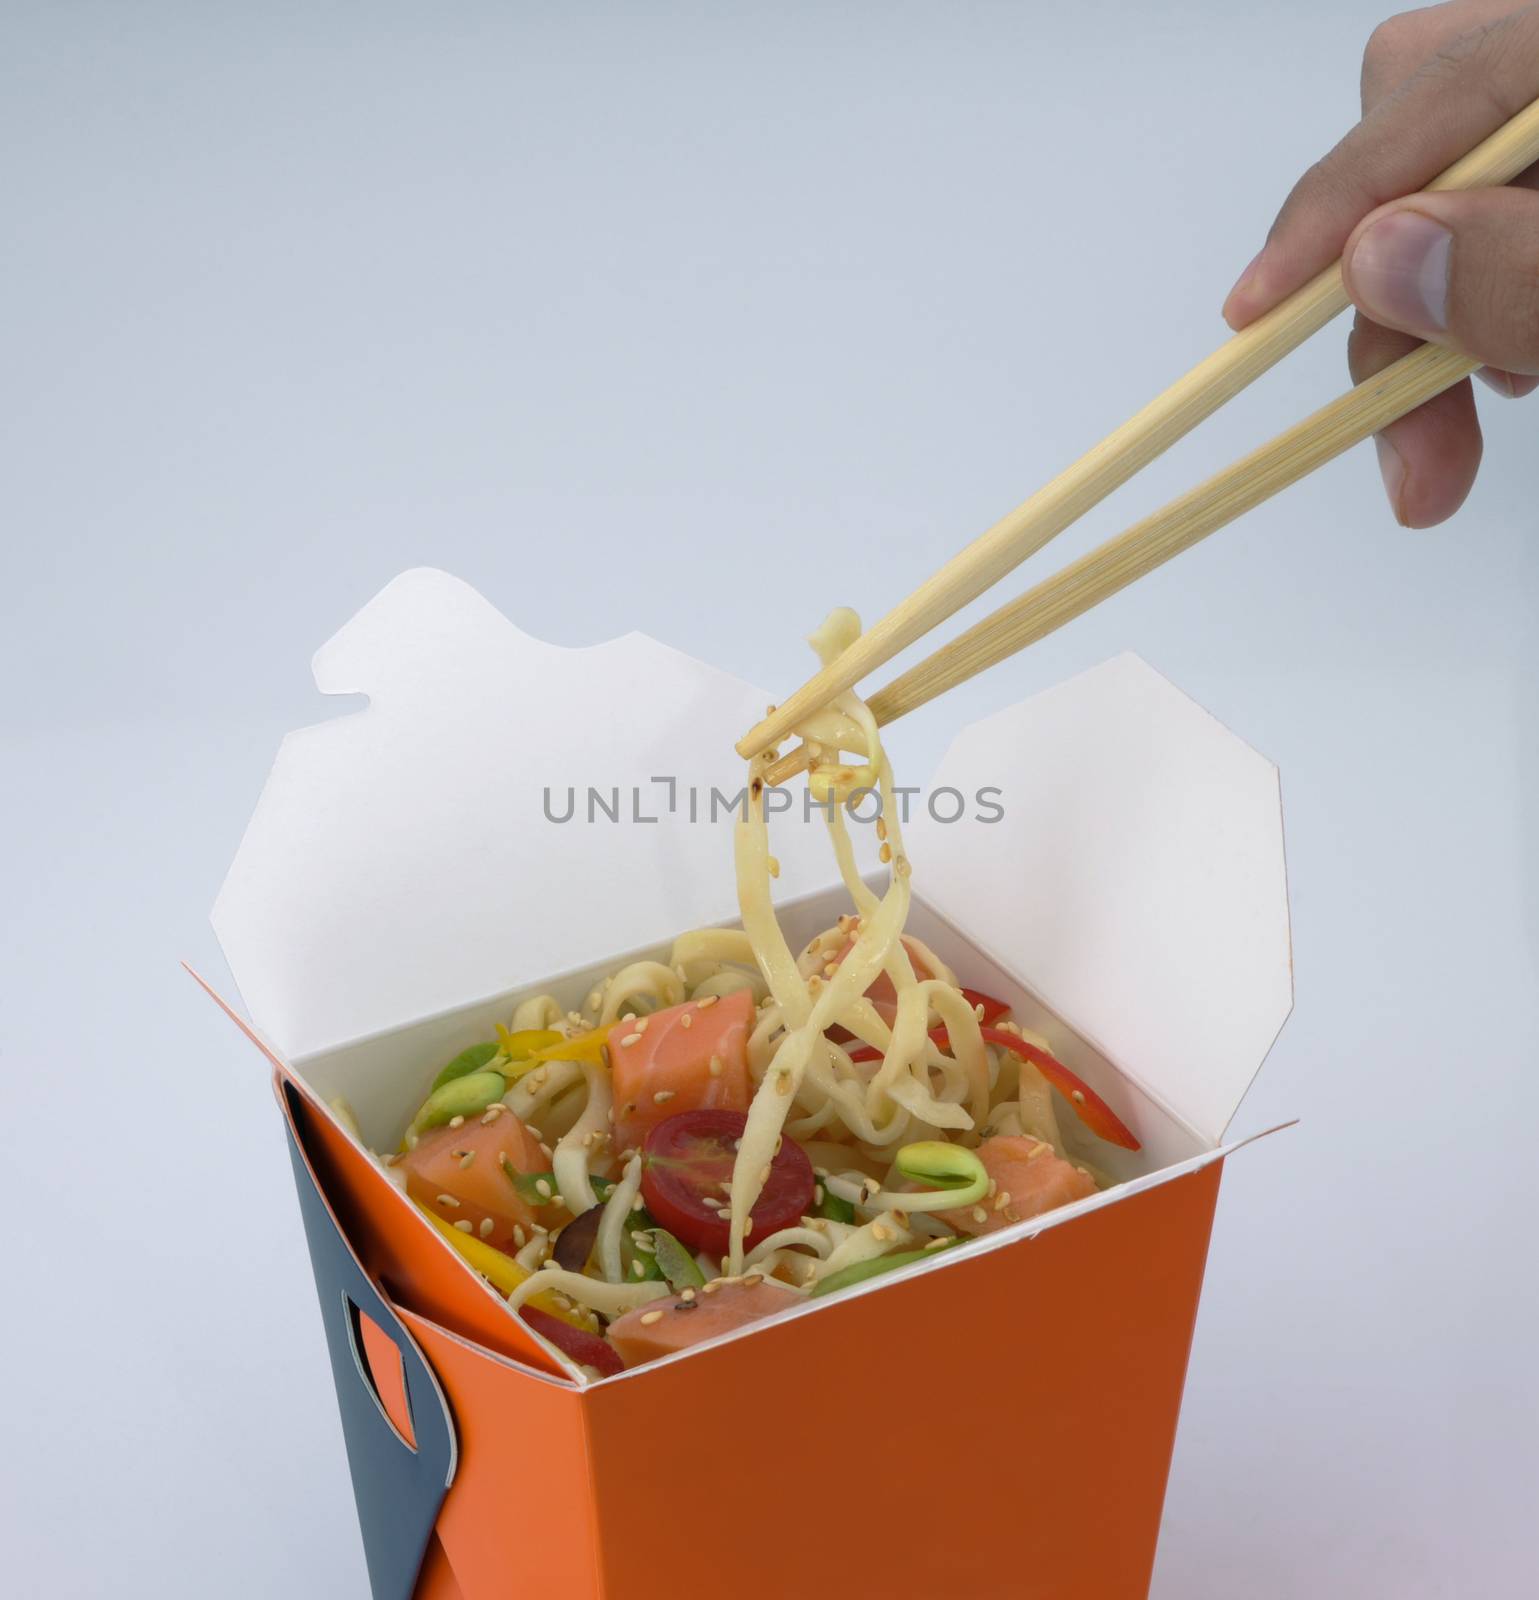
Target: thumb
[[1459, 269]]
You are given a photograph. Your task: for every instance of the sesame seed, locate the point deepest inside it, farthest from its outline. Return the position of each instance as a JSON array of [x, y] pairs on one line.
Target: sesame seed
[[466, 1159], [641, 1026], [1077, 1096], [764, 1173], [752, 1278], [783, 1081], [542, 1188], [885, 853], [649, 1317], [830, 969], [817, 1194], [711, 1287], [993, 1188], [879, 1232], [1012, 1215], [716, 1066], [464, 1226], [638, 1270], [448, 1200], [979, 1214], [630, 1016], [774, 866], [456, 1122], [687, 1020], [663, 1096], [520, 1238], [935, 1244], [709, 1000], [686, 1294], [545, 1150], [1002, 1199], [978, 1011], [486, 1226], [630, 1039], [748, 1227]]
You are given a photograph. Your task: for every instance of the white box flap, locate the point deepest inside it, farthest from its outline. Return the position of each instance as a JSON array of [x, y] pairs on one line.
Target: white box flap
[[401, 860], [1135, 881]]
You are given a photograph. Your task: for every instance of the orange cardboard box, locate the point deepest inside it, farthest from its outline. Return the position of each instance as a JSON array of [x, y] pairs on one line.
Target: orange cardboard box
[[997, 1421]]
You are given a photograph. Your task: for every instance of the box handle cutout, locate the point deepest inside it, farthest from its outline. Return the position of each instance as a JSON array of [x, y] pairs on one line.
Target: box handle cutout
[[382, 1369]]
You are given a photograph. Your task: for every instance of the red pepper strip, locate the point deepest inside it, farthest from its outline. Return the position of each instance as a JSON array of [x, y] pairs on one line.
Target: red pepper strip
[[1088, 1106], [993, 1009], [1091, 1109], [586, 1349]]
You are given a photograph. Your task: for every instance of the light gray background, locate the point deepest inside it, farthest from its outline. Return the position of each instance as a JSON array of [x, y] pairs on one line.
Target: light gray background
[[703, 318]]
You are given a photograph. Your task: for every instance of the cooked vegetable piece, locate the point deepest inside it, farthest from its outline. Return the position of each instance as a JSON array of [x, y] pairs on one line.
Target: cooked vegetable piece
[[498, 1268], [1087, 1105], [688, 1174], [574, 1244], [832, 1207], [471, 1174], [1091, 1109], [466, 1062], [1028, 1179], [468, 1096], [859, 1271], [584, 1047], [678, 1266], [586, 1349], [993, 1009], [644, 1334], [686, 1058]]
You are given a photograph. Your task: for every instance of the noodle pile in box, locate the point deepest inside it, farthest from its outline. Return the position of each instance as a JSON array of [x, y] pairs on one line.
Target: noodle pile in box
[[713, 1139]]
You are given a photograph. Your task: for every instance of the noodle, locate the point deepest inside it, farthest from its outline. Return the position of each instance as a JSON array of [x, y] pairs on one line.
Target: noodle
[[617, 1210]]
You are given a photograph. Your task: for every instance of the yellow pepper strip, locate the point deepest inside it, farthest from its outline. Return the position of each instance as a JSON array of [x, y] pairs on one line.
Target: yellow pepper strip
[[585, 1047], [521, 1045], [502, 1270]]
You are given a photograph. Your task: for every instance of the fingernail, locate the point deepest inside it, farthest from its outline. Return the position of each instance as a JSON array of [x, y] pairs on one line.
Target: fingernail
[[1398, 272], [1233, 301], [1509, 385], [1392, 468]]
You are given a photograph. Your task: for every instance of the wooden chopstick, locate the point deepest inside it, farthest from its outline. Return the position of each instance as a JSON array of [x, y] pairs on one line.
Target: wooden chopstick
[[1169, 417], [1413, 380]]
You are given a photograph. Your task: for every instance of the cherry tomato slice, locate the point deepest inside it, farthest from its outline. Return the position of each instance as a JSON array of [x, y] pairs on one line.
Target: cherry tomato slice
[[586, 1349], [688, 1163]]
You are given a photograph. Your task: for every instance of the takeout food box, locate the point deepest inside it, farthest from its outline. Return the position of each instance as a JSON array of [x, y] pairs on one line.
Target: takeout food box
[[998, 1421]]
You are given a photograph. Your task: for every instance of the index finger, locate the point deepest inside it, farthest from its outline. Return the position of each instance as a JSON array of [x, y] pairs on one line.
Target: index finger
[[1446, 107]]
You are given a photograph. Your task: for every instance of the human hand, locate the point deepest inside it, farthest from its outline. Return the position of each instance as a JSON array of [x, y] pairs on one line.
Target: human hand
[[1460, 269]]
